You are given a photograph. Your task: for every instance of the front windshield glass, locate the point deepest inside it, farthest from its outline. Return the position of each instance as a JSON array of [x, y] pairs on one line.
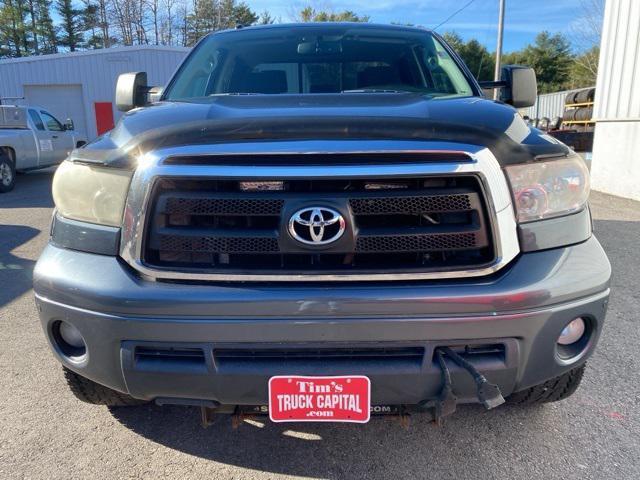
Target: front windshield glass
[[318, 59]]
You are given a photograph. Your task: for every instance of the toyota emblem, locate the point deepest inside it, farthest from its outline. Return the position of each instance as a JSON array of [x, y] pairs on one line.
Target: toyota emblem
[[317, 225]]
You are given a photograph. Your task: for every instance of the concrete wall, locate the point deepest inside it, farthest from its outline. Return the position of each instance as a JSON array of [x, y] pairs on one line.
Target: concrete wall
[[616, 149], [95, 71]]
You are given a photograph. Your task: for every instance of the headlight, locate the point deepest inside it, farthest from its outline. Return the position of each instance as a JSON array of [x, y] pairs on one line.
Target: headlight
[[91, 194], [549, 189]]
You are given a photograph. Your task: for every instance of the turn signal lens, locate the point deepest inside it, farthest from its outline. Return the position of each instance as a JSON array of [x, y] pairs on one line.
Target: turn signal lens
[[549, 189]]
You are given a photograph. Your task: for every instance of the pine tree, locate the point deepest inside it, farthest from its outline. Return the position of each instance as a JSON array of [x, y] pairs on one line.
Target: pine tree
[[213, 15], [46, 30], [243, 15], [203, 20], [72, 36], [475, 55], [550, 56], [21, 14], [310, 14], [266, 18], [13, 29], [90, 23], [33, 14]]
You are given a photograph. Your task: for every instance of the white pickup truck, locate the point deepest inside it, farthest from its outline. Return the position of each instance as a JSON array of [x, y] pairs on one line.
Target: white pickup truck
[[32, 138]]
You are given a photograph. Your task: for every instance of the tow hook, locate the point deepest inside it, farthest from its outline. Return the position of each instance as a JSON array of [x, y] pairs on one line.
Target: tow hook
[[239, 416], [207, 416]]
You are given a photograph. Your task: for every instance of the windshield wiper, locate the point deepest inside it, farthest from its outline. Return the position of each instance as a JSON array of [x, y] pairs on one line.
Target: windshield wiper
[[375, 90]]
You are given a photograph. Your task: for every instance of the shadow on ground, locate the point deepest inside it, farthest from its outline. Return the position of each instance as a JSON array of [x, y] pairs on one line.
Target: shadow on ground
[[374, 450], [32, 190], [15, 273]]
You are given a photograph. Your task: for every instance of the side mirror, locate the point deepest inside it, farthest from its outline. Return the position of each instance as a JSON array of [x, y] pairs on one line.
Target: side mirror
[[131, 91], [521, 89], [68, 125], [518, 83]]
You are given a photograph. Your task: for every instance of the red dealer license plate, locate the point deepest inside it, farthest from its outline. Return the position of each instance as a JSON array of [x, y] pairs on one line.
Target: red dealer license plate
[[319, 399]]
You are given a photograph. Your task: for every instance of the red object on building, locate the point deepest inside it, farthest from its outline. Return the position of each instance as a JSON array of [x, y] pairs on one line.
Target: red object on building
[[104, 116]]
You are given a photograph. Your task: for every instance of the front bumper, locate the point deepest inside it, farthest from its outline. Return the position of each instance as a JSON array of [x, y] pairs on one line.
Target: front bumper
[[521, 310]]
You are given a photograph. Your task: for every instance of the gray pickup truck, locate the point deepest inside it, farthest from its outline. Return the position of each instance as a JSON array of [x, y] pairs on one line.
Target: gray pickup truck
[[32, 138], [320, 222]]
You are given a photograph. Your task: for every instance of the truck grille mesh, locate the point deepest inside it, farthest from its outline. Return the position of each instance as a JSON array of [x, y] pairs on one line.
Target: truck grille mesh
[[435, 203], [416, 243], [417, 224], [175, 243], [223, 206]]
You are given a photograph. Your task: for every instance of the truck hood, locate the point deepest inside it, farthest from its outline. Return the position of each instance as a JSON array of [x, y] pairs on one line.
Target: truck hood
[[357, 116]]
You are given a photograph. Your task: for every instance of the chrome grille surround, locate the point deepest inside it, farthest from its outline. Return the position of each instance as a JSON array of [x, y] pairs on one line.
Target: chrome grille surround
[[482, 163]]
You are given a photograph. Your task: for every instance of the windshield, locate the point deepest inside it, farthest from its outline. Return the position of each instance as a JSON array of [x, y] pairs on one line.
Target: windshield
[[318, 59]]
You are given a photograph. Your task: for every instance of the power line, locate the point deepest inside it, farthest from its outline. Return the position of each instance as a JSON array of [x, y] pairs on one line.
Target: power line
[[454, 14]]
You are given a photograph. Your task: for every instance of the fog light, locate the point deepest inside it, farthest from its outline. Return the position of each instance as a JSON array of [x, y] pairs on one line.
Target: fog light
[[69, 341], [71, 335], [572, 332]]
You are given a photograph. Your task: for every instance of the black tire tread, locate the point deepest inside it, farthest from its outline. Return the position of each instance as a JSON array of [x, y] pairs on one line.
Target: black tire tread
[[91, 392], [4, 157], [552, 390]]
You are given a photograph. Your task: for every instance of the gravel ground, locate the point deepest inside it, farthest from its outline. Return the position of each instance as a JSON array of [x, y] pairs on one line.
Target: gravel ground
[[46, 433]]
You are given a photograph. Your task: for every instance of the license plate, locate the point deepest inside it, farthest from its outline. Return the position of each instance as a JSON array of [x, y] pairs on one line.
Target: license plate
[[319, 399]]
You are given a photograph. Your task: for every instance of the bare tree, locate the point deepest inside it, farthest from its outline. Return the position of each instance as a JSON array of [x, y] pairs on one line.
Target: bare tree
[[154, 5], [140, 22], [129, 15], [585, 33], [586, 30], [168, 22], [122, 17], [183, 16], [104, 6]]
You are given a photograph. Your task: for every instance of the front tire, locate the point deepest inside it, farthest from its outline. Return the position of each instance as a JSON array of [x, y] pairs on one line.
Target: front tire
[[552, 390], [7, 173], [91, 392]]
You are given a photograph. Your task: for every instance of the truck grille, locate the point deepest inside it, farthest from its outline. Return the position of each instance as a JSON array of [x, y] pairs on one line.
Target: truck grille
[[416, 224]]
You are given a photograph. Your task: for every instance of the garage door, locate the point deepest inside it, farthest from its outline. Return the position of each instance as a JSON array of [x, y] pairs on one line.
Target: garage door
[[63, 101]]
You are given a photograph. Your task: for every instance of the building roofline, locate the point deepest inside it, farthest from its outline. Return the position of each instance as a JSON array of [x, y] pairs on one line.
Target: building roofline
[[101, 51]]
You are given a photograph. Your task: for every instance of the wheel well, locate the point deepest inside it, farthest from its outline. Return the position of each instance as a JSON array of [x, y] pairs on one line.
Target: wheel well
[[10, 152]]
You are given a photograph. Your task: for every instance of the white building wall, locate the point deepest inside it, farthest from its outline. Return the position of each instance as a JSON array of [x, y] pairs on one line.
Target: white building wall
[[616, 149], [96, 71]]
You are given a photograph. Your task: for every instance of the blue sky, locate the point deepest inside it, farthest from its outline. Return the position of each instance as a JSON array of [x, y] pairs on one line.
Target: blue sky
[[523, 20]]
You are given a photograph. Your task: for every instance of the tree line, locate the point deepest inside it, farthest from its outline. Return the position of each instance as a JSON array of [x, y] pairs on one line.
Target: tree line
[[551, 56], [27, 27]]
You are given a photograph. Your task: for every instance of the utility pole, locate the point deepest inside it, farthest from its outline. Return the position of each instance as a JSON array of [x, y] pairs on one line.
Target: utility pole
[[496, 73]]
